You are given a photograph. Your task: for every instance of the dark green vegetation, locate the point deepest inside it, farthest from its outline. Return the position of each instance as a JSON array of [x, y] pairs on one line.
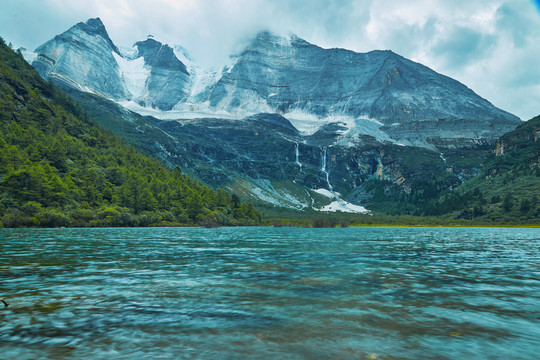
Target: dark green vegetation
[[507, 190], [59, 168], [427, 176]]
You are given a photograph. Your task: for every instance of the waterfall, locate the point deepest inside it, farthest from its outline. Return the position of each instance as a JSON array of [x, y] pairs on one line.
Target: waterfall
[[323, 160], [297, 156], [336, 202], [323, 169], [442, 157], [460, 177]]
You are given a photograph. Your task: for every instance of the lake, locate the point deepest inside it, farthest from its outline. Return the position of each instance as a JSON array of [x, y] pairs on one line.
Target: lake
[[270, 293]]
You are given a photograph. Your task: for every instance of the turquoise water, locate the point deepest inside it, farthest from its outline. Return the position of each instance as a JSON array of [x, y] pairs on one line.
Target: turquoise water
[[270, 293]]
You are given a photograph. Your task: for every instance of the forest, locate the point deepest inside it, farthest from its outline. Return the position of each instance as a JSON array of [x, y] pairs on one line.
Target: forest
[[58, 167]]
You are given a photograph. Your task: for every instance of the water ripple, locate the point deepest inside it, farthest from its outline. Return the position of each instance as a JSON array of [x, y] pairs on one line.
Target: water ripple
[[270, 293]]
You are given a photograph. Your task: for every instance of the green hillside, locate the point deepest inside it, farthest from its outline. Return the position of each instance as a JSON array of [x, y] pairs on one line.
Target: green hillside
[[507, 190], [59, 168]]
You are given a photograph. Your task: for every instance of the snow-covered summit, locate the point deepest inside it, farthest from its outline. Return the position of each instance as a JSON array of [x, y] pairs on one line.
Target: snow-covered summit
[[84, 57]]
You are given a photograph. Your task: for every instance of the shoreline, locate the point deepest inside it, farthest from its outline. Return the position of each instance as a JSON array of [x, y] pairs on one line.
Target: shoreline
[[502, 226]]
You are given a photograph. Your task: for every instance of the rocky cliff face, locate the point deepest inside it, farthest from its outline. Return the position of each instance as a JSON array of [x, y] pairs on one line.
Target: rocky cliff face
[[168, 81], [265, 159]]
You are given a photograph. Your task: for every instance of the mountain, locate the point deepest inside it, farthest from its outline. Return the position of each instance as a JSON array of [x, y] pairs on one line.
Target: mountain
[[168, 78], [412, 102], [59, 168], [286, 123], [266, 160], [85, 58]]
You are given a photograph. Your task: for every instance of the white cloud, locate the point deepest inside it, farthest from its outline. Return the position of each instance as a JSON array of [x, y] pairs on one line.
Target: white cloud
[[490, 45]]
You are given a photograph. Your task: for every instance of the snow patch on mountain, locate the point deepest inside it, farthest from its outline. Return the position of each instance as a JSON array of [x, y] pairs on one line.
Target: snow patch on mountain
[[309, 124], [29, 56], [344, 206], [363, 126], [325, 192], [183, 112], [183, 55], [306, 123], [339, 204], [134, 73], [128, 52], [242, 102], [202, 79]]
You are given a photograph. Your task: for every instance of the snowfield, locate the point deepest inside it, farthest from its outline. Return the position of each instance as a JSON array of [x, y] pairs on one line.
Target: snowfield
[[343, 206], [134, 73]]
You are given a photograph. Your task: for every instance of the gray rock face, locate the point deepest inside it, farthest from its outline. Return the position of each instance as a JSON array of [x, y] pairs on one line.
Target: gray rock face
[[168, 82], [266, 159], [82, 58], [85, 58]]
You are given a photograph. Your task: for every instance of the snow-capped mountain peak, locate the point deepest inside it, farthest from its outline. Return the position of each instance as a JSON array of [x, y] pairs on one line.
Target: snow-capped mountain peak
[[309, 85], [85, 57]]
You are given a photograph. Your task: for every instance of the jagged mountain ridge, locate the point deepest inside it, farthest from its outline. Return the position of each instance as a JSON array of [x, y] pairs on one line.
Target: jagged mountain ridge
[[167, 83], [294, 74], [379, 93], [83, 58]]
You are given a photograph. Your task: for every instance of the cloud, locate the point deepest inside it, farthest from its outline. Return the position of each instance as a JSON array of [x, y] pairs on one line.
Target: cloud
[[514, 22], [490, 45], [461, 46]]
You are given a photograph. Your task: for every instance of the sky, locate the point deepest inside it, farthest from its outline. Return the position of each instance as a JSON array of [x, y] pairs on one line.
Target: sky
[[492, 46]]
